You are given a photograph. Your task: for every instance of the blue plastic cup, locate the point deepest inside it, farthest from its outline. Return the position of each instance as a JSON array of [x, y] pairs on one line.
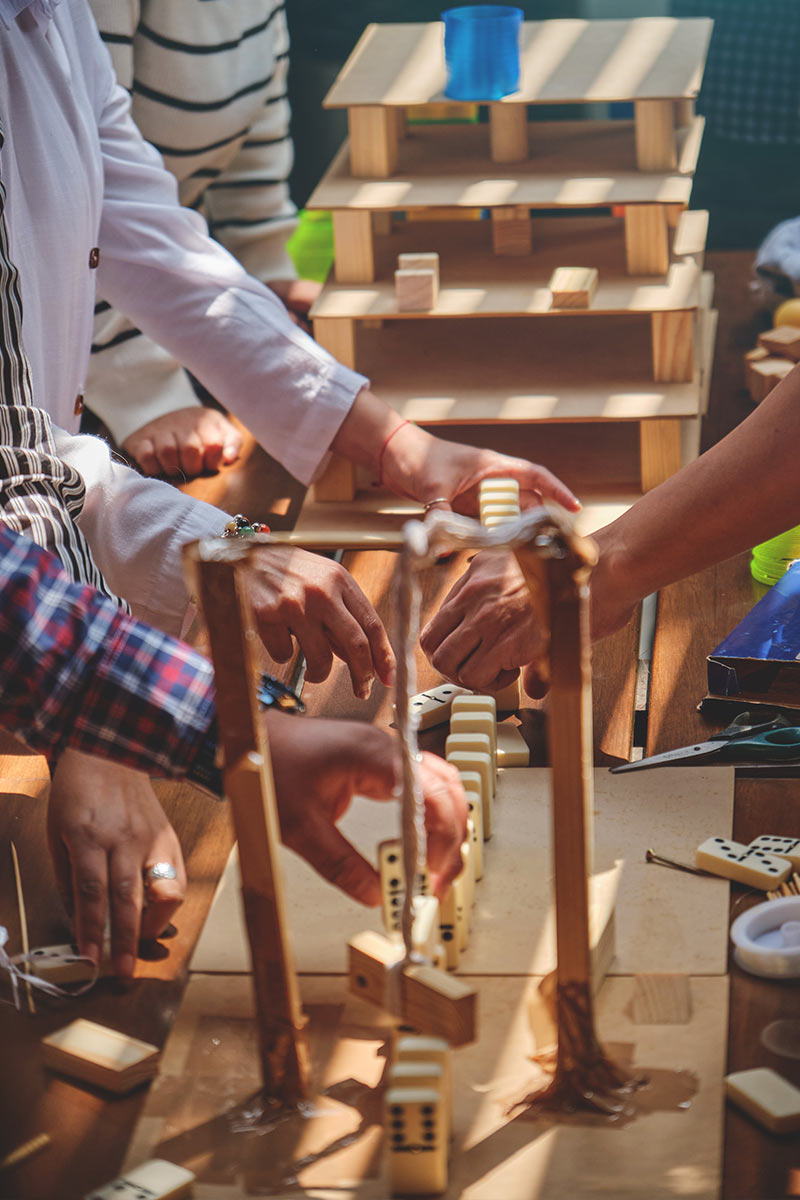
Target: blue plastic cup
[[481, 49]]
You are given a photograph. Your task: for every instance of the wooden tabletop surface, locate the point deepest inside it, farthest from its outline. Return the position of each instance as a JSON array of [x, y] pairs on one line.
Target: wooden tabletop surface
[[90, 1132]]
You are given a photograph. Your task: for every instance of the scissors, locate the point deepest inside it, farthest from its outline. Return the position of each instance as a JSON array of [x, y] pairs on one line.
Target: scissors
[[765, 737]]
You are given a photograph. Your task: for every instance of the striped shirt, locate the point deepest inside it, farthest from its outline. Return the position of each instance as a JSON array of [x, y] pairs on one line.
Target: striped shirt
[[39, 494], [208, 89], [79, 673]]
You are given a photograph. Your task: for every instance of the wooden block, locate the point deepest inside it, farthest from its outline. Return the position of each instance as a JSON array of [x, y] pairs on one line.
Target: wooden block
[[153, 1180], [354, 258], [508, 132], [573, 287], [416, 290], [422, 260], [672, 336], [512, 749], [765, 373], [654, 121], [732, 860], [674, 214], [433, 707], [783, 847], [646, 239], [661, 1000], [767, 1097], [373, 141], [660, 451], [684, 112], [100, 1056], [511, 230], [416, 1141], [337, 481], [337, 335], [431, 1001], [785, 340], [382, 223]]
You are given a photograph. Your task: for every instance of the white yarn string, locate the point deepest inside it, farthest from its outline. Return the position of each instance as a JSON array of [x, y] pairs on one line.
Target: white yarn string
[[11, 964]]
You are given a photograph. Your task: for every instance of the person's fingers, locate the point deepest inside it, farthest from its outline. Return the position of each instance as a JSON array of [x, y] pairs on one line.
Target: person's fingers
[[144, 452], [537, 479], [445, 621], [278, 642], [445, 819], [455, 650], [483, 671], [162, 897], [331, 855], [535, 680], [167, 452], [232, 449], [62, 868], [90, 893], [190, 451], [316, 650], [380, 648], [125, 892]]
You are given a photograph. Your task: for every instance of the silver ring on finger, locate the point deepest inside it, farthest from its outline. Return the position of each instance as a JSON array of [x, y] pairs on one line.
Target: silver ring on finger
[[159, 871]]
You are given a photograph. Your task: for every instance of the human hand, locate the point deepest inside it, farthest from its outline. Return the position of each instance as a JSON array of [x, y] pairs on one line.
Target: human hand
[[295, 593], [298, 295], [423, 467], [485, 630], [187, 441], [320, 765], [105, 827]]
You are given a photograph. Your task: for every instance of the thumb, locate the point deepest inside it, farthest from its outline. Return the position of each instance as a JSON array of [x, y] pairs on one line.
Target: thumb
[[328, 851]]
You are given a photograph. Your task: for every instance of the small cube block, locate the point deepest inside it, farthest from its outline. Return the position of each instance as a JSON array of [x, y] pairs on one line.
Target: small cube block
[[420, 261], [573, 287], [416, 290], [784, 341], [767, 1097], [765, 374]]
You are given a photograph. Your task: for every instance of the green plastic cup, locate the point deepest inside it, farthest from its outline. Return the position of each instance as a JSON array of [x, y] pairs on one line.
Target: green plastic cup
[[772, 559]]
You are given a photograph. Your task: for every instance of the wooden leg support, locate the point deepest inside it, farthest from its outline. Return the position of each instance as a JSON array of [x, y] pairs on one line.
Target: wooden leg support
[[428, 1000], [354, 258], [684, 113], [659, 451], [285, 1064], [655, 135], [508, 132], [511, 230], [337, 335], [373, 141], [646, 239], [673, 346]]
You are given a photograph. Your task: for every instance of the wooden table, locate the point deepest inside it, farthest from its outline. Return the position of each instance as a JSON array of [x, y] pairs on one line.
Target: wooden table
[[90, 1132]]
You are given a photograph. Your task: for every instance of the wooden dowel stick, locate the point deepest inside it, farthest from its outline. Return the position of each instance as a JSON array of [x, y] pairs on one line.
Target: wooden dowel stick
[[23, 925]]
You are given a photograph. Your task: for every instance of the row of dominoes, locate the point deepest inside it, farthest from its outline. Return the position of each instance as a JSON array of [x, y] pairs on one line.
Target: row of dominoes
[[767, 861], [418, 1108]]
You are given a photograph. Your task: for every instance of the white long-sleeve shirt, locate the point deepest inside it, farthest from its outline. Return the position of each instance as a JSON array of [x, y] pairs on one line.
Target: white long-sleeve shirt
[[80, 177], [207, 80]]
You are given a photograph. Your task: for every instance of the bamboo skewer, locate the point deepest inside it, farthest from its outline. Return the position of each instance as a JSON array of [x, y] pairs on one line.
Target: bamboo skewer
[[23, 924]]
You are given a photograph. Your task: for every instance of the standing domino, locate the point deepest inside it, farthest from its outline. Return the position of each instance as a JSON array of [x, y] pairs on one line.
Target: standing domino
[[417, 1141], [476, 722], [475, 810], [393, 882], [732, 860], [414, 1047], [473, 761]]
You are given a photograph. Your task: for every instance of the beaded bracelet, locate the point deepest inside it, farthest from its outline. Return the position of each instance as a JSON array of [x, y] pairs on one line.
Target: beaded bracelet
[[241, 527]]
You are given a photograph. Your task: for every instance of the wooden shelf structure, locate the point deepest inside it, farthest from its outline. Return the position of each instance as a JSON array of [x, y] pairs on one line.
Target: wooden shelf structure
[[607, 195]]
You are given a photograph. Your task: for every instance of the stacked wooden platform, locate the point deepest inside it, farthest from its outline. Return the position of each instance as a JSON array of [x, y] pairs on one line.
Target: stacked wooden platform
[[611, 196]]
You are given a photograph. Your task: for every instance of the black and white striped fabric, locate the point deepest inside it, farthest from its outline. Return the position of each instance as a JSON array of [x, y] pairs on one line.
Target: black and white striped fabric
[[40, 495]]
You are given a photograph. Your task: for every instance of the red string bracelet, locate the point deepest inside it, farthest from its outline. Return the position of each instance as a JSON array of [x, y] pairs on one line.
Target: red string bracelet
[[386, 441]]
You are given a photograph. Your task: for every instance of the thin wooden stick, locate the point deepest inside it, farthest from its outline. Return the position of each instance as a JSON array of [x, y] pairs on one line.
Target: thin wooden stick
[[249, 785], [23, 924]]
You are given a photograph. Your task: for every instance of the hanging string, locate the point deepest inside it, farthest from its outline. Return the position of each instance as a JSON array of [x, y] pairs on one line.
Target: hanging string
[[17, 976]]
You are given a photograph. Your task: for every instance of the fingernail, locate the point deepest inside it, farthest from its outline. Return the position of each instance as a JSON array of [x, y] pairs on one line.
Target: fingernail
[[365, 691], [92, 951], [391, 676]]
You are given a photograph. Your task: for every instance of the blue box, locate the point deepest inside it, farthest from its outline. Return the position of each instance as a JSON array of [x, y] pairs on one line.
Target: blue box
[[759, 661]]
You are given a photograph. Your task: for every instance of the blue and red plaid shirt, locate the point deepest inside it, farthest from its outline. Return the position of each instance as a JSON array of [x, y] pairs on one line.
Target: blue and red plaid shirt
[[77, 671]]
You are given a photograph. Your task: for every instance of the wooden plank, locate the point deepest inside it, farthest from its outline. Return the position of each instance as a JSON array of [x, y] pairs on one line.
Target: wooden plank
[[561, 61], [475, 282], [663, 999], [654, 122], [508, 133], [250, 788], [337, 335], [661, 451], [578, 165], [646, 239], [352, 241], [373, 141], [673, 346], [337, 482]]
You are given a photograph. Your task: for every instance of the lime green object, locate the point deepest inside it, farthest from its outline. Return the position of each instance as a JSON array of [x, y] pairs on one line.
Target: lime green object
[[311, 245], [771, 560]]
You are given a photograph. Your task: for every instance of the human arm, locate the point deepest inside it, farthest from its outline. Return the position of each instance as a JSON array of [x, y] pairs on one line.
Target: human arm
[[743, 490]]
